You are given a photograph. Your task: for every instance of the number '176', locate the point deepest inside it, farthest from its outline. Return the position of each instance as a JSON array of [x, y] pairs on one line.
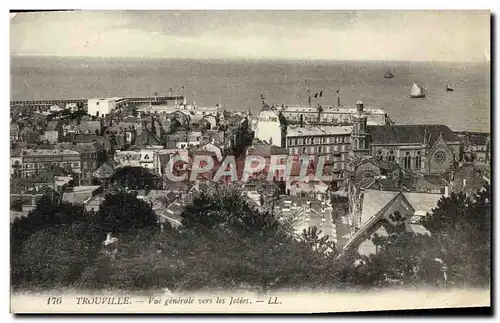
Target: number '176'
[[54, 300]]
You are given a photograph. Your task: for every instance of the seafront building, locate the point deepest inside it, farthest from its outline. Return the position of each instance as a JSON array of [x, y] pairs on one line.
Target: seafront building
[[331, 115], [103, 107], [272, 121]]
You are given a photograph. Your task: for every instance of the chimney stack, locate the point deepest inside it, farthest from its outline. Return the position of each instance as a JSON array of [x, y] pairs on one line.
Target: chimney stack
[[446, 191], [108, 237]]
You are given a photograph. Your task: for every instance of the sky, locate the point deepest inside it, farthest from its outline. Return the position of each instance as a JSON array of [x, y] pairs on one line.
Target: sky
[[458, 36]]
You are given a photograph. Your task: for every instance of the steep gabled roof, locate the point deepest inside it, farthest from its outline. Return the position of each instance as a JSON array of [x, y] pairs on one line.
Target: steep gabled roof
[[105, 170], [394, 134]]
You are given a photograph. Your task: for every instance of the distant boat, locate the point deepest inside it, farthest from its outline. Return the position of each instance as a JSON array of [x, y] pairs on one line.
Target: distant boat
[[416, 91], [388, 75], [449, 88]]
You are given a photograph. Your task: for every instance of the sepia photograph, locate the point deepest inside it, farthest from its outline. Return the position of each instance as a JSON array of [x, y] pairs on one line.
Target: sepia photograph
[[249, 161]]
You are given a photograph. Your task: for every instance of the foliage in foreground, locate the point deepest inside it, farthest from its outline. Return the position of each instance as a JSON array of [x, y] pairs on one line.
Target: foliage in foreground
[[226, 243]]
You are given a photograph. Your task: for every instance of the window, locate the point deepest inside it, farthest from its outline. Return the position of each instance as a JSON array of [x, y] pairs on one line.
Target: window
[[76, 164], [320, 150], [407, 160], [379, 155], [391, 157], [440, 157], [304, 150], [418, 160]]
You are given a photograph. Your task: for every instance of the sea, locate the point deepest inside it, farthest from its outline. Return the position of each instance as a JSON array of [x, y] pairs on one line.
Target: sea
[[238, 84]]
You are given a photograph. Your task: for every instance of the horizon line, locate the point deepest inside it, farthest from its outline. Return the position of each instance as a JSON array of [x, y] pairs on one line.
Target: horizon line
[[261, 59]]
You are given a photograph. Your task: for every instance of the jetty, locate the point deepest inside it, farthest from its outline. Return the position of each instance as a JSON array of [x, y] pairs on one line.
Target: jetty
[[84, 102]]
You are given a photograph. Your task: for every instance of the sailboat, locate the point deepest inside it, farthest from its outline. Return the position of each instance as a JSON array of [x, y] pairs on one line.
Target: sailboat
[[388, 75], [416, 91], [448, 87]]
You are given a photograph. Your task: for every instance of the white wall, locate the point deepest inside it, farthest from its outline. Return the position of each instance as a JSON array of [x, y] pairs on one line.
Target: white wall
[[268, 127], [103, 106]]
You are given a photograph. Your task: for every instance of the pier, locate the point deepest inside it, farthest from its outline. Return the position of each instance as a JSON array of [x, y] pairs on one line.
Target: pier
[[83, 102]]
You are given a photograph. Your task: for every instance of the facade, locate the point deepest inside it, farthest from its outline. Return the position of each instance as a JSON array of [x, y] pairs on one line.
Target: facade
[[331, 115], [333, 142], [428, 149], [102, 107], [269, 127], [88, 153], [476, 146], [35, 160]]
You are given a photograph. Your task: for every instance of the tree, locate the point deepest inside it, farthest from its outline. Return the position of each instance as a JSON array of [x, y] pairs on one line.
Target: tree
[[55, 256], [135, 178], [225, 207], [461, 227], [403, 258], [122, 212], [312, 238]]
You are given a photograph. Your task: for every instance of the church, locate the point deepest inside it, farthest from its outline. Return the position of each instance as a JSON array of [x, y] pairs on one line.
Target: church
[[424, 149]]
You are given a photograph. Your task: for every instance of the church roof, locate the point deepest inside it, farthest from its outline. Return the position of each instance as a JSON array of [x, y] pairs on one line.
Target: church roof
[[404, 134]]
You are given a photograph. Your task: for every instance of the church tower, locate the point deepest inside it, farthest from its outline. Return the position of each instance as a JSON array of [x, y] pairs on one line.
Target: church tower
[[359, 136]]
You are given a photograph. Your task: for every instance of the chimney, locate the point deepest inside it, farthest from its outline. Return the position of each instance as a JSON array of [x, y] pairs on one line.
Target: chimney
[[465, 182], [108, 237], [446, 191], [359, 106]]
